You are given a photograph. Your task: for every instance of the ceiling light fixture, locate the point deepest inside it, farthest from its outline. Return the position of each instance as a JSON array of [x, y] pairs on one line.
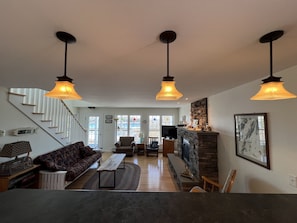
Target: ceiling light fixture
[[168, 90], [272, 87], [64, 88]]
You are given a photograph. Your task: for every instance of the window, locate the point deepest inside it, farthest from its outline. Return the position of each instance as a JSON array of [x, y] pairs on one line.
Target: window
[[167, 120], [134, 127], [129, 125], [93, 132], [154, 126], [155, 123]]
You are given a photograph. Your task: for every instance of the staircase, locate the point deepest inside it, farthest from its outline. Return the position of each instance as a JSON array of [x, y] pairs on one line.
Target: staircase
[[52, 115]]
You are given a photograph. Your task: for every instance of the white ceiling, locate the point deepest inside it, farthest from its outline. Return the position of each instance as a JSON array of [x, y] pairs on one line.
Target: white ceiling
[[118, 60]]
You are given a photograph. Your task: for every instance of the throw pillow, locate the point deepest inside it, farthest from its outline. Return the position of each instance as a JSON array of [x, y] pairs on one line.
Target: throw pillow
[[154, 144], [52, 166], [86, 151]]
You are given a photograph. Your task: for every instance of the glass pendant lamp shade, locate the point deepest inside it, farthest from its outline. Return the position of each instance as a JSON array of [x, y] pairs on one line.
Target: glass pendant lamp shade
[[64, 88], [168, 90], [272, 87], [273, 91]]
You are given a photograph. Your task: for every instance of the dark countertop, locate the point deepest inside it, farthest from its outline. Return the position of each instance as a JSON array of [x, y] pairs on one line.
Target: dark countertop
[[29, 205]]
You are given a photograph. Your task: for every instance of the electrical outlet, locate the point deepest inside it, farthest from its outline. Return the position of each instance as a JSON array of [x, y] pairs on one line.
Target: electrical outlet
[[292, 180]]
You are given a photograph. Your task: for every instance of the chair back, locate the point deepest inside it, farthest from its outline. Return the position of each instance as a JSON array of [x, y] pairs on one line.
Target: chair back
[[152, 140], [229, 181], [126, 140]]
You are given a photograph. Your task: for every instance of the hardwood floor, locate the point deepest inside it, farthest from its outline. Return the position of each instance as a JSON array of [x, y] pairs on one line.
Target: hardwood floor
[[155, 174]]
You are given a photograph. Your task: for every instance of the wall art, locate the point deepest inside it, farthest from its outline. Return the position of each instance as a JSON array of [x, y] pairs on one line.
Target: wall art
[[251, 138]]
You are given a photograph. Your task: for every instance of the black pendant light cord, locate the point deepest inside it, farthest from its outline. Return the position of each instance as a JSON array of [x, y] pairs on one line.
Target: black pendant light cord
[[271, 59], [168, 77], [168, 37], [167, 59], [271, 78], [66, 38], [270, 37], [64, 77], [65, 61]]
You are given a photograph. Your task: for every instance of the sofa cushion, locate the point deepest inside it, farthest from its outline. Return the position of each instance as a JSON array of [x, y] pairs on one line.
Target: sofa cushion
[[53, 166], [86, 151], [79, 167], [75, 170]]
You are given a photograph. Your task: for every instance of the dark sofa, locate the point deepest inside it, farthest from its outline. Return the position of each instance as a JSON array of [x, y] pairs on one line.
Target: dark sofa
[[72, 160]]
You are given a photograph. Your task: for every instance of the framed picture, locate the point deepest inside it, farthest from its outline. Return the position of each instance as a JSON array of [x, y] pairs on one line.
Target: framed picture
[[251, 138], [108, 121], [108, 116]]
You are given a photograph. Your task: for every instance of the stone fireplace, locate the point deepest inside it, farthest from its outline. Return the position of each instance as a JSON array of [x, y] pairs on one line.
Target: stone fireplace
[[198, 150], [185, 151]]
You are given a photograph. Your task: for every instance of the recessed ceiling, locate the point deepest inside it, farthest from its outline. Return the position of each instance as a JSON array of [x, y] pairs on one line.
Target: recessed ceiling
[[118, 60]]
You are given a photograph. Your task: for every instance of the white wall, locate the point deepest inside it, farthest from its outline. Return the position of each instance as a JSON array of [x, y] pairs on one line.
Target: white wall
[[107, 131], [11, 118], [282, 124], [185, 110]]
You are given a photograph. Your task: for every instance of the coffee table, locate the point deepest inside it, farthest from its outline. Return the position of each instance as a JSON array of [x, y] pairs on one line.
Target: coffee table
[[111, 165]]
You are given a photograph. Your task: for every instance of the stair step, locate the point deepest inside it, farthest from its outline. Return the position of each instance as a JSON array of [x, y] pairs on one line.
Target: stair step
[[52, 115], [13, 93], [28, 104]]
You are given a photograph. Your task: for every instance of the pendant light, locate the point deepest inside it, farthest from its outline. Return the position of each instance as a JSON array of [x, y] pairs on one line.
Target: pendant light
[[64, 88], [168, 90], [272, 87]]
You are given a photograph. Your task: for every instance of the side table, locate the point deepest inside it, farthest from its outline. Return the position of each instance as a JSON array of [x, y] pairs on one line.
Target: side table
[[168, 146], [140, 148]]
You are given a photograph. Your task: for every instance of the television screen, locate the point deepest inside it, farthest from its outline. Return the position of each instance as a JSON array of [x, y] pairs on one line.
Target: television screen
[[169, 131]]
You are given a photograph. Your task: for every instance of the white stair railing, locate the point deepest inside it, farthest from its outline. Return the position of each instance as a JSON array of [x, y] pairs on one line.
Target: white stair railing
[[52, 115]]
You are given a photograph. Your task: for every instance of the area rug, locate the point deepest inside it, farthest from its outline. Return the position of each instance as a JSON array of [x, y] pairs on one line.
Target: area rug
[[126, 179]]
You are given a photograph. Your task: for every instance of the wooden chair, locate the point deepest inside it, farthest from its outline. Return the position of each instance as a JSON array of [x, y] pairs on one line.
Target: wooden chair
[[153, 146], [211, 186]]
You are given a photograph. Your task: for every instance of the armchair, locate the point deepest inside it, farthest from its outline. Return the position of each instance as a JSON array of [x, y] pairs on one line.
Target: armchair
[[125, 145], [153, 146]]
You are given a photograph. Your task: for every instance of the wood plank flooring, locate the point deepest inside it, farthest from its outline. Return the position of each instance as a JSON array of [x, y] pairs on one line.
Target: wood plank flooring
[[155, 174]]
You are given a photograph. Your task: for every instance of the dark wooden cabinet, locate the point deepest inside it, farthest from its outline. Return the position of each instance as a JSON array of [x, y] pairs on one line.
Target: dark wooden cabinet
[[24, 179], [168, 146], [140, 148]]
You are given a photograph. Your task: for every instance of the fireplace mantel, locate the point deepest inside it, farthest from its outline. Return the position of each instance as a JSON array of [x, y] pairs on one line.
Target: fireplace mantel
[[202, 154]]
